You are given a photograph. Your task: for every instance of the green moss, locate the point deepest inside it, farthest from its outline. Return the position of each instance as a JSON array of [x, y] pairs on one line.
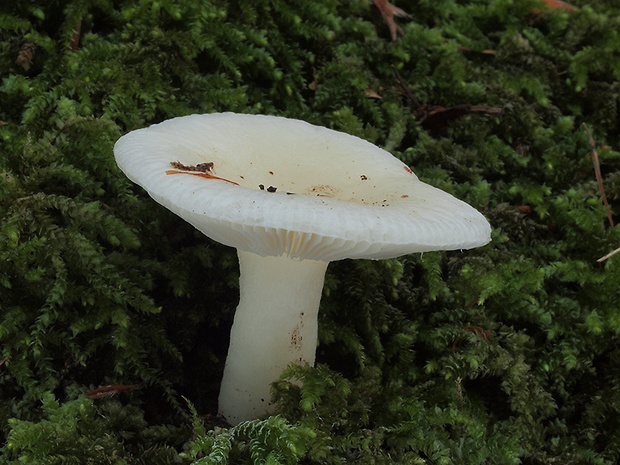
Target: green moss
[[504, 354]]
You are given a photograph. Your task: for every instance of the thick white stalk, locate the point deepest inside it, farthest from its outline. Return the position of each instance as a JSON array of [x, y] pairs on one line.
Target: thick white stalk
[[275, 324]]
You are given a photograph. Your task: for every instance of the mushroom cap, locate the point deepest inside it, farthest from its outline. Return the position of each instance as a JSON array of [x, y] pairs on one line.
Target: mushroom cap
[[336, 195]]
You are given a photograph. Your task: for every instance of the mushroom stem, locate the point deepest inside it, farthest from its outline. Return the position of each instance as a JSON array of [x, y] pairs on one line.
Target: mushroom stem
[[275, 324]]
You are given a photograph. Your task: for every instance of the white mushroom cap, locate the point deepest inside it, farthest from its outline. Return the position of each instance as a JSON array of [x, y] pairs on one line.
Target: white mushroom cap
[[337, 196], [285, 190]]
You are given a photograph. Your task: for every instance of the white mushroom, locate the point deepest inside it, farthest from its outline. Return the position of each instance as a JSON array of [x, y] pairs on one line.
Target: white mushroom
[[290, 197]]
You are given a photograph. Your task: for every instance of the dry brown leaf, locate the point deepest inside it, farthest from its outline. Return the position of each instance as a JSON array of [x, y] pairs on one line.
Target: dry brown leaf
[[559, 5], [388, 11], [369, 93], [26, 55]]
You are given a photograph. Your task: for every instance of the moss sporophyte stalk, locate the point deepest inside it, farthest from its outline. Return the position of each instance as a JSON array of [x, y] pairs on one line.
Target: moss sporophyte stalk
[[354, 200]]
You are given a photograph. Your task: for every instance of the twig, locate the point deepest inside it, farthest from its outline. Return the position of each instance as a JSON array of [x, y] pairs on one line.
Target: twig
[[435, 118], [491, 111], [112, 390], [406, 90], [471, 304], [75, 40], [597, 172], [602, 259]]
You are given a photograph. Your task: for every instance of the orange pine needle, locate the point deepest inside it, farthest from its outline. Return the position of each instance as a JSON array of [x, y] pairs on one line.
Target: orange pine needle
[[201, 174]]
